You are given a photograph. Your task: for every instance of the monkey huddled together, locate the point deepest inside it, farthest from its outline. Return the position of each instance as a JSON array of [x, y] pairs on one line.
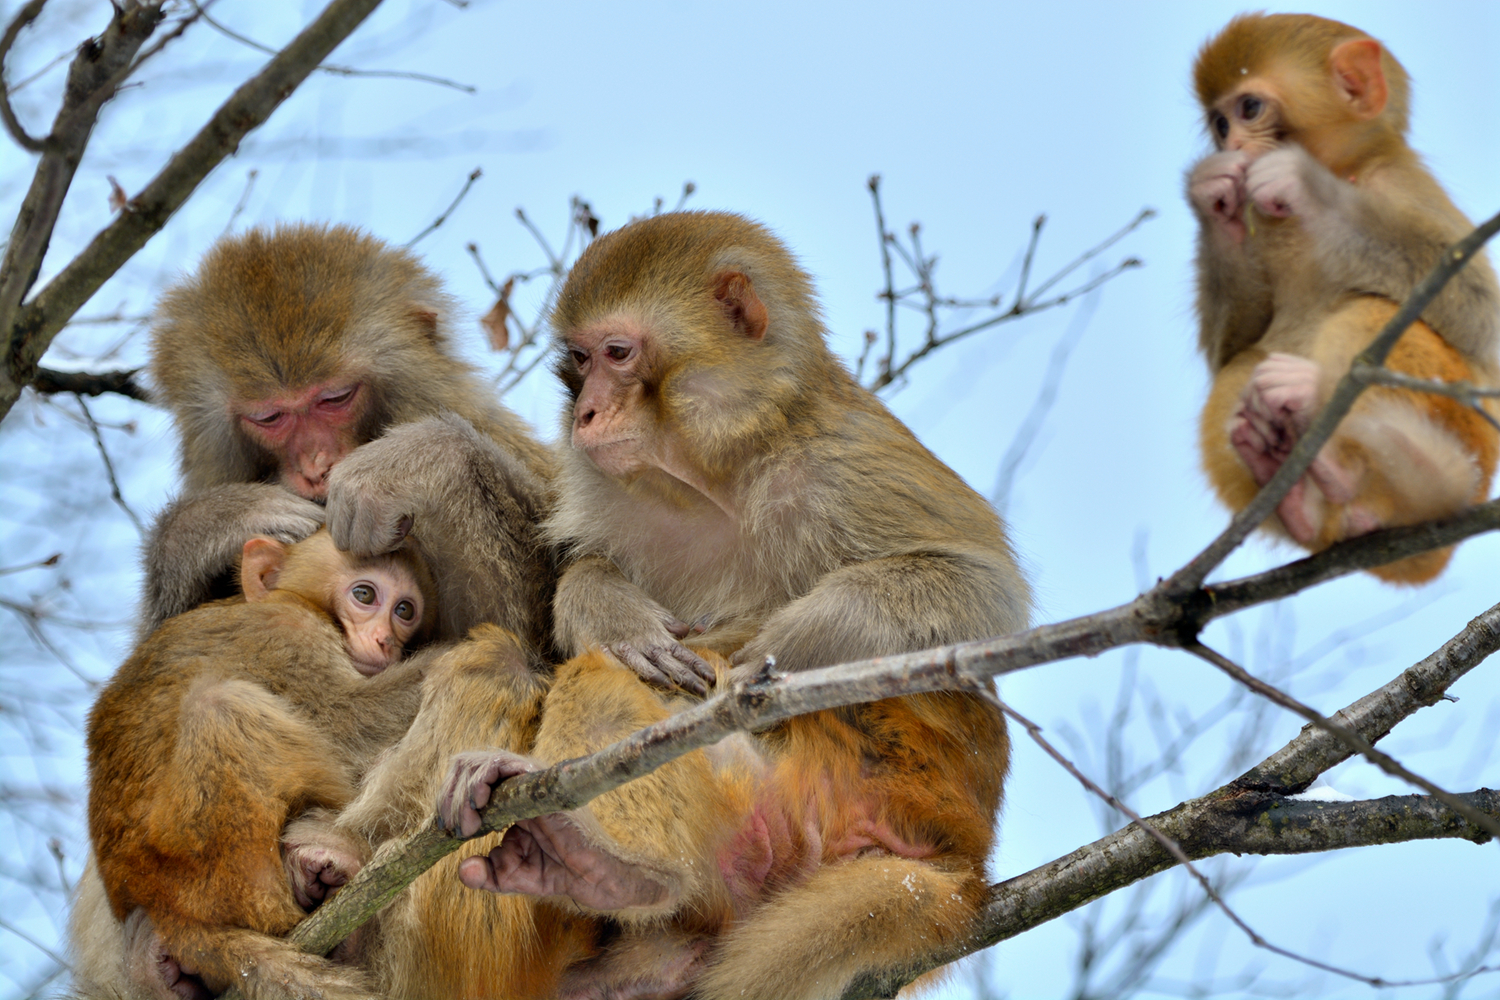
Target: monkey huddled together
[[379, 595]]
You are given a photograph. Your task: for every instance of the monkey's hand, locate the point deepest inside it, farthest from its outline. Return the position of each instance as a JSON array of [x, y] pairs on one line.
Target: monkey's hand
[[1288, 181], [1216, 188], [198, 539], [596, 606], [471, 777]]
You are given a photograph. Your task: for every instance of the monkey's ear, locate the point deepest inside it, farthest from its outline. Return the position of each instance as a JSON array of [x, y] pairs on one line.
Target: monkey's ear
[[426, 320], [1358, 74], [736, 296], [260, 565]]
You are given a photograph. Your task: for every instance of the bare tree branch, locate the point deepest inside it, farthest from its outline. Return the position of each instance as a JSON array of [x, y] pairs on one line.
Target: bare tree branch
[[31, 331], [49, 381], [96, 73]]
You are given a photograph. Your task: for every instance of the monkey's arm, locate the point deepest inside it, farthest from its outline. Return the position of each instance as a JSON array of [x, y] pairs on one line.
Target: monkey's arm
[[892, 605], [596, 606], [1381, 236], [473, 507], [196, 542], [1234, 294]]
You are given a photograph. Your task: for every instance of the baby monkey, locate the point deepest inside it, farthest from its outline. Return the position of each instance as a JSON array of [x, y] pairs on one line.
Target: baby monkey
[[221, 748]]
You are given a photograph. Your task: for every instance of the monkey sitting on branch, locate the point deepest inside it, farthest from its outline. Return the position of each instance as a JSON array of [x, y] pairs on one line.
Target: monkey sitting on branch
[[730, 488], [1316, 220], [219, 750]]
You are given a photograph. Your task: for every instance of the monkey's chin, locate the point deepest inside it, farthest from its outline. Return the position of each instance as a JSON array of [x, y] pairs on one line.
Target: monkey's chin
[[620, 458], [371, 665]]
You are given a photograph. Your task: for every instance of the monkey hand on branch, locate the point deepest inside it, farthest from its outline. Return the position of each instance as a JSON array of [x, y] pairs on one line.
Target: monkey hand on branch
[[1316, 219]]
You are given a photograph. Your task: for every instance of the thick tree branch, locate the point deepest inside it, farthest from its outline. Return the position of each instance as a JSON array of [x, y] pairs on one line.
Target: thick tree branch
[[1191, 576], [49, 381], [38, 322]]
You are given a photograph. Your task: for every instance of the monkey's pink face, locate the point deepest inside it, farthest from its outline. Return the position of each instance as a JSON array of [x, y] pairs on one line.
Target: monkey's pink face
[[612, 417], [307, 431], [380, 611]]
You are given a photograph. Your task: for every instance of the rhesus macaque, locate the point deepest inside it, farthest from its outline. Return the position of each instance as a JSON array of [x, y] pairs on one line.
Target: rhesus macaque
[[219, 748], [313, 363], [729, 486], [1316, 220]]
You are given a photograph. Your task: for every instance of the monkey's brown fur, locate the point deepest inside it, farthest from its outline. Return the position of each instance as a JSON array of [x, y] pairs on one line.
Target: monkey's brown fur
[[756, 490], [271, 314], [226, 723], [1319, 285]]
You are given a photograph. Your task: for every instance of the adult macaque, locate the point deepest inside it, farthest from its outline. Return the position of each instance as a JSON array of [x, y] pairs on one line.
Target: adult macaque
[[726, 471], [1316, 220], [231, 722], [313, 363]]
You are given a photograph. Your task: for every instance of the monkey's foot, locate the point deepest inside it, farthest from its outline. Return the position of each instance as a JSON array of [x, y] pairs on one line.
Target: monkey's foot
[[316, 869], [552, 856], [152, 968]]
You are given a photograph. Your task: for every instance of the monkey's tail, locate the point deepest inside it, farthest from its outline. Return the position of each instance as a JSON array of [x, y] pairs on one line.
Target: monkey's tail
[[867, 914], [263, 967]]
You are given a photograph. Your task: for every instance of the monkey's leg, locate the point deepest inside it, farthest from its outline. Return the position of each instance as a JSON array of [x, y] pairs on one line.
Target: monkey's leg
[[439, 939], [862, 914]]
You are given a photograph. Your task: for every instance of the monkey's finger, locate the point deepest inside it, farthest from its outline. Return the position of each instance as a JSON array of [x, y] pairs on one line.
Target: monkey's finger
[[676, 661], [644, 669], [677, 627], [478, 873], [697, 664]]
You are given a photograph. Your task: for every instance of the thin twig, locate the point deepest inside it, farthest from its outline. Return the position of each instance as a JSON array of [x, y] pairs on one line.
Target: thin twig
[[889, 294], [239, 206], [1464, 392], [51, 560], [1344, 394], [109, 466], [436, 223], [13, 125], [347, 71]]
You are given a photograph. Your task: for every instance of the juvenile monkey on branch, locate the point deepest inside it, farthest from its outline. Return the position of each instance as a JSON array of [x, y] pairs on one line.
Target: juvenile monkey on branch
[[1316, 220], [729, 489]]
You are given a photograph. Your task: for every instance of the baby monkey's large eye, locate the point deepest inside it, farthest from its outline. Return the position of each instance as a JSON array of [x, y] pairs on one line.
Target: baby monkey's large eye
[[1221, 126], [363, 593], [406, 610], [1250, 108]]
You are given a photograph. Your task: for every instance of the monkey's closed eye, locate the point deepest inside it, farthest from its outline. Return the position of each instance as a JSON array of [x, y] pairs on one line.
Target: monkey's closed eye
[[339, 398], [405, 610], [363, 593], [265, 419]]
